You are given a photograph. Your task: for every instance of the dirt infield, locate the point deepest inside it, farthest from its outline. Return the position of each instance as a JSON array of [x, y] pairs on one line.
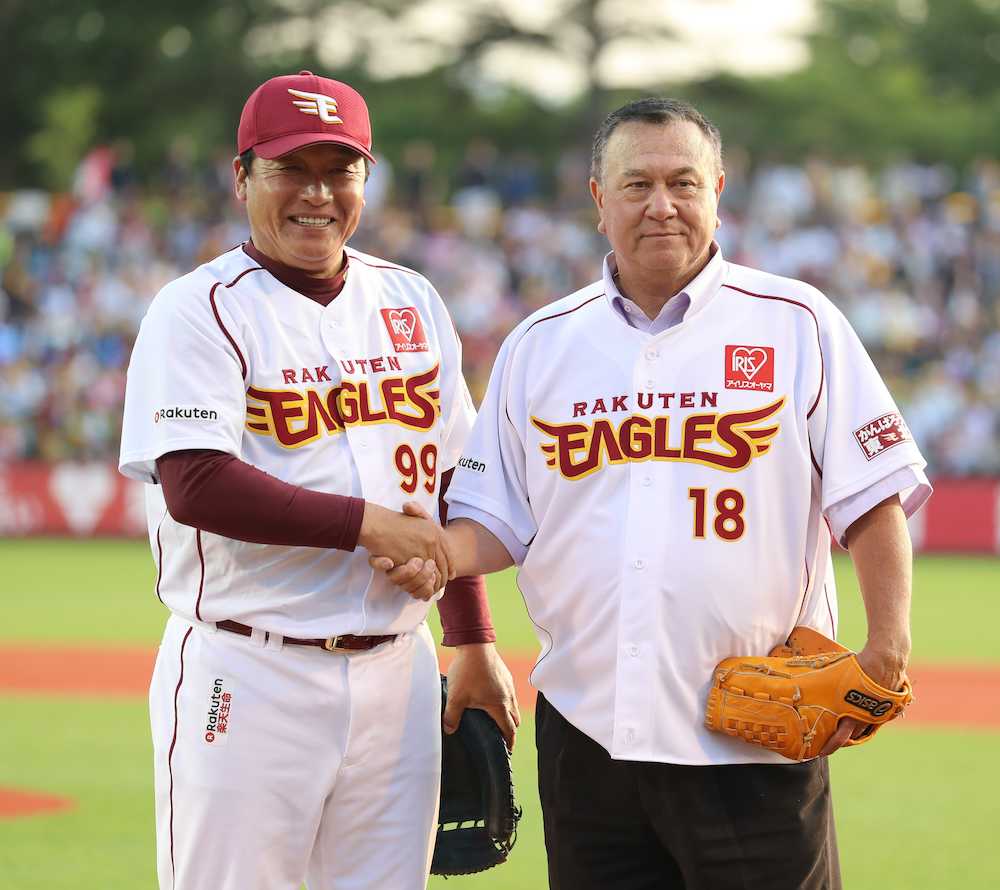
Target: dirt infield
[[16, 804], [946, 695]]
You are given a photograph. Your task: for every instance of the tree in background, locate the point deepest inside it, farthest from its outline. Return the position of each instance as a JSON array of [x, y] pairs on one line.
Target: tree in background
[[78, 72], [884, 77]]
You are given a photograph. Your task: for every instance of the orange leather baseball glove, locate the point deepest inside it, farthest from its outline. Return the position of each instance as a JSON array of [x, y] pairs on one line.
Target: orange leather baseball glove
[[791, 700]]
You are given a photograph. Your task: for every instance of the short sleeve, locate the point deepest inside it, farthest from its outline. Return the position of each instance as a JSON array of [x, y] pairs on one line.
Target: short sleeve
[[908, 483], [501, 531], [185, 384], [491, 474], [857, 435]]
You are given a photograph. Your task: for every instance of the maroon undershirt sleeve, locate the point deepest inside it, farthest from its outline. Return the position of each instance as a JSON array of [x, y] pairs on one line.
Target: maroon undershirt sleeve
[[219, 493], [464, 608]]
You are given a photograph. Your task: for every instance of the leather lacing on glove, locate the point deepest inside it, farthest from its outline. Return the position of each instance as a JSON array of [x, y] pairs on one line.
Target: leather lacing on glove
[[792, 700]]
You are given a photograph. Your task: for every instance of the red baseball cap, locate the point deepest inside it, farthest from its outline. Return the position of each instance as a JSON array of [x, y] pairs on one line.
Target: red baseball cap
[[285, 113]]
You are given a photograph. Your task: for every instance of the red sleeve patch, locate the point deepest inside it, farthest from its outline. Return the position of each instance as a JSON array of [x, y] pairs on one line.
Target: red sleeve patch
[[882, 433]]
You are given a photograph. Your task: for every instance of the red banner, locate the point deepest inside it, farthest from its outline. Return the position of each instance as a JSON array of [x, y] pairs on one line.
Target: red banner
[[84, 500], [79, 500], [963, 515]]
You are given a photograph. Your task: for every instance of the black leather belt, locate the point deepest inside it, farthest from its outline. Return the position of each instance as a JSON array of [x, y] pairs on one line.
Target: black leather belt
[[342, 643]]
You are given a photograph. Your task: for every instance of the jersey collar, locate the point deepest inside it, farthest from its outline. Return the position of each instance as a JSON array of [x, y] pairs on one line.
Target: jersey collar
[[698, 292], [322, 290]]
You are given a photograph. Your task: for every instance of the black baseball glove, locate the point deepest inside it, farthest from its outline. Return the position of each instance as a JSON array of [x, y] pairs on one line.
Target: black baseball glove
[[477, 821]]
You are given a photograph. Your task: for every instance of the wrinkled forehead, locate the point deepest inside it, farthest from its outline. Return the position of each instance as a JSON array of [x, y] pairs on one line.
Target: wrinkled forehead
[[679, 143]]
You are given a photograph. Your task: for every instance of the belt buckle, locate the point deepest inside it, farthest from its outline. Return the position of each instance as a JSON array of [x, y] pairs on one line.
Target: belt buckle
[[332, 644]]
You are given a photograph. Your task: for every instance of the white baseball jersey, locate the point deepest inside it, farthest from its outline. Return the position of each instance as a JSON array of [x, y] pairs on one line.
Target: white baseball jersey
[[667, 493], [362, 397]]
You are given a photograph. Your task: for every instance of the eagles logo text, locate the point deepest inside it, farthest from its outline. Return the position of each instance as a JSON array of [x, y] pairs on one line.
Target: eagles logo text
[[296, 417], [579, 449]]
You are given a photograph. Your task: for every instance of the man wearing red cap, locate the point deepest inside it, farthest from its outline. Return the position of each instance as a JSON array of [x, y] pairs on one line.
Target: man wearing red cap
[[284, 401]]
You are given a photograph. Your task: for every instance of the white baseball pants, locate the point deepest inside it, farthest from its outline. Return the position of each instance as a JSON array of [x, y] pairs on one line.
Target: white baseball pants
[[277, 764]]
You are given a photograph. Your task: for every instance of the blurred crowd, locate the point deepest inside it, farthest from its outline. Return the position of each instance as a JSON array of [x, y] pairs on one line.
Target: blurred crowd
[[910, 253]]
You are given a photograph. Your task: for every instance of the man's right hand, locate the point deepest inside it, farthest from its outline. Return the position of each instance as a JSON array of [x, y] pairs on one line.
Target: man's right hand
[[412, 539], [418, 577], [473, 549]]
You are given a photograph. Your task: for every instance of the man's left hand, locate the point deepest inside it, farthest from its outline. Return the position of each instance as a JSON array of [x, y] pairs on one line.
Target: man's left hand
[[478, 678], [887, 667]]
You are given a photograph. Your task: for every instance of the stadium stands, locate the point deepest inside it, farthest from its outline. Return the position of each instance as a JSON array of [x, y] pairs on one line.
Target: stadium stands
[[911, 254]]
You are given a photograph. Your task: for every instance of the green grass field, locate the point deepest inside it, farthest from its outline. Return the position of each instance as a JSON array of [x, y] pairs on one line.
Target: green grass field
[[915, 810]]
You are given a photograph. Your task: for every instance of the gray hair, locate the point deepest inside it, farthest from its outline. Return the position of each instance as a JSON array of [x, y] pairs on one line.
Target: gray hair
[[652, 110]]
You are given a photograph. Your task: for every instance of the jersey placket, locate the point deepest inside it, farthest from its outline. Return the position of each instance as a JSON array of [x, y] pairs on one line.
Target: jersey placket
[[642, 577], [342, 332]]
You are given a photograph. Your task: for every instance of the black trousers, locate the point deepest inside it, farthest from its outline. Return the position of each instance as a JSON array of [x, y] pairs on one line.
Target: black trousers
[[655, 826]]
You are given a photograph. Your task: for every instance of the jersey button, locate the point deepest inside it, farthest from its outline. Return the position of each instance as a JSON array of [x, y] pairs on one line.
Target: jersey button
[[652, 354], [650, 384], [629, 736], [633, 650], [647, 481], [639, 565]]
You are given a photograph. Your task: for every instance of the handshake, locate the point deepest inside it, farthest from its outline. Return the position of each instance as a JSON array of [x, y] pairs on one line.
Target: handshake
[[415, 552]]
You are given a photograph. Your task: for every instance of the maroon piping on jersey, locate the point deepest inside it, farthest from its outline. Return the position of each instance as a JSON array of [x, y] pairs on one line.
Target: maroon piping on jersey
[[829, 611], [511, 422], [822, 364], [812, 457], [229, 337], [245, 272], [560, 314], [218, 318], [159, 561], [826, 596], [822, 379], [201, 580], [222, 327], [170, 758], [356, 259], [805, 590], [549, 318]]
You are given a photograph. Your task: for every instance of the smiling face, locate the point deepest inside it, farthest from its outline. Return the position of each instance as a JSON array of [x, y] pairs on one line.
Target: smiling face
[[304, 205], [658, 199]]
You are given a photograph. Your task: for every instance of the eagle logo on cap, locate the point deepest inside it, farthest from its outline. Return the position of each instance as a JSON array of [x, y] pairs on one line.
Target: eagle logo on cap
[[317, 103]]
